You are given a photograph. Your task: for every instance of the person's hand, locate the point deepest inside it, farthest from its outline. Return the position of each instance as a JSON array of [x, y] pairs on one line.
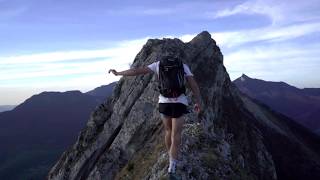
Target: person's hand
[[197, 107], [113, 72]]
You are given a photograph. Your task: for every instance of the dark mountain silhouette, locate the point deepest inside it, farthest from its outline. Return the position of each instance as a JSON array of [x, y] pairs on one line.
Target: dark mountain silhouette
[[302, 105], [312, 91], [33, 134], [103, 91], [6, 107], [238, 138]]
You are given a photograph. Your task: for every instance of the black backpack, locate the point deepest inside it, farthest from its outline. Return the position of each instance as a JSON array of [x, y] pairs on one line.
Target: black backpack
[[171, 77]]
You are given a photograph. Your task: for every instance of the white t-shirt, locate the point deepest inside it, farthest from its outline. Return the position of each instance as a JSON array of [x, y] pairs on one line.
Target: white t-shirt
[[182, 98]]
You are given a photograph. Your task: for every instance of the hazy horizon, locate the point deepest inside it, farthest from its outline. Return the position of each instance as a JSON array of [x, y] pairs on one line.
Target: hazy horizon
[[108, 84], [69, 45]]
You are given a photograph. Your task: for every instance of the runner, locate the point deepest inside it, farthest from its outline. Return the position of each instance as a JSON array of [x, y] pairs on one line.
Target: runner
[[173, 102]]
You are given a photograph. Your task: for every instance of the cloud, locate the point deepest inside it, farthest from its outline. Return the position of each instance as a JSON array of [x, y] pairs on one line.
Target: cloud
[[271, 34], [24, 75], [29, 67], [70, 55], [280, 12], [32, 67], [278, 62], [252, 8], [271, 53], [190, 9], [235, 38]]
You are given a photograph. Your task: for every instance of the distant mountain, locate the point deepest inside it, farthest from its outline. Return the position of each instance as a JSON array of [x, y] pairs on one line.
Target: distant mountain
[[6, 107], [36, 132], [312, 91], [102, 91], [302, 105]]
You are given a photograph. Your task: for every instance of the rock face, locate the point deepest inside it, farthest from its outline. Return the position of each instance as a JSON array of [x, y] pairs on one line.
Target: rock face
[[124, 137]]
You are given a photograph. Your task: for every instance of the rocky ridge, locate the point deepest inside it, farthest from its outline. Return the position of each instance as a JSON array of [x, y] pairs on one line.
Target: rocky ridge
[[124, 136]]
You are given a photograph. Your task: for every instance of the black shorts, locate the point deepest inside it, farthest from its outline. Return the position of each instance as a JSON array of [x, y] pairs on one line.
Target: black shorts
[[174, 110]]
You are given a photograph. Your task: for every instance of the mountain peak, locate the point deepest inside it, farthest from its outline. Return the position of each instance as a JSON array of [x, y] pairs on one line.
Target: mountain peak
[[202, 39], [102, 91], [244, 77], [203, 35]]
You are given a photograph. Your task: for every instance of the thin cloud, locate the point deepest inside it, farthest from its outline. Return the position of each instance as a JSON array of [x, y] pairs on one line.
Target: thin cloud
[[64, 55], [252, 8], [54, 63], [231, 39], [280, 12], [276, 62], [271, 53], [59, 64], [280, 59], [190, 9], [130, 47]]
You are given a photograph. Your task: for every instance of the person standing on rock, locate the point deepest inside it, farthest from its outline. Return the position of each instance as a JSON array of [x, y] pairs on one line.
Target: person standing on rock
[[173, 102]]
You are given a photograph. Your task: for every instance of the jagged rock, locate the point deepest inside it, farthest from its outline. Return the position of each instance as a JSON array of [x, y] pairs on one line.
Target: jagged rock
[[124, 137]]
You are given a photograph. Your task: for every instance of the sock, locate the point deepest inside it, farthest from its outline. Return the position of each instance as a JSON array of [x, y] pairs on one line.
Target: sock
[[172, 165]]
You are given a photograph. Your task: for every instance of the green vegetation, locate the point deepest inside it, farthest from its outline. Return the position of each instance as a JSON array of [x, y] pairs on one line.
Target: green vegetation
[[143, 161]]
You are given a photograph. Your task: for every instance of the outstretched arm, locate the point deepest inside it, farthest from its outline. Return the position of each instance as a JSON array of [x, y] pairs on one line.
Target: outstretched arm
[[196, 92], [131, 72]]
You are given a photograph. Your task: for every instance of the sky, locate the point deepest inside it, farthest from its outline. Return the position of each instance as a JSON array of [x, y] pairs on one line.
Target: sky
[[59, 45]]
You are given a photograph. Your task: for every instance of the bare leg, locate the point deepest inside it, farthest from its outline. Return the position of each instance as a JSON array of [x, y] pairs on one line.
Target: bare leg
[[167, 122], [177, 124]]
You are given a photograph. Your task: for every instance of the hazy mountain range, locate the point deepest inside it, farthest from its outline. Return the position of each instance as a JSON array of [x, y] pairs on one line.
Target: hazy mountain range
[[302, 105], [35, 133]]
